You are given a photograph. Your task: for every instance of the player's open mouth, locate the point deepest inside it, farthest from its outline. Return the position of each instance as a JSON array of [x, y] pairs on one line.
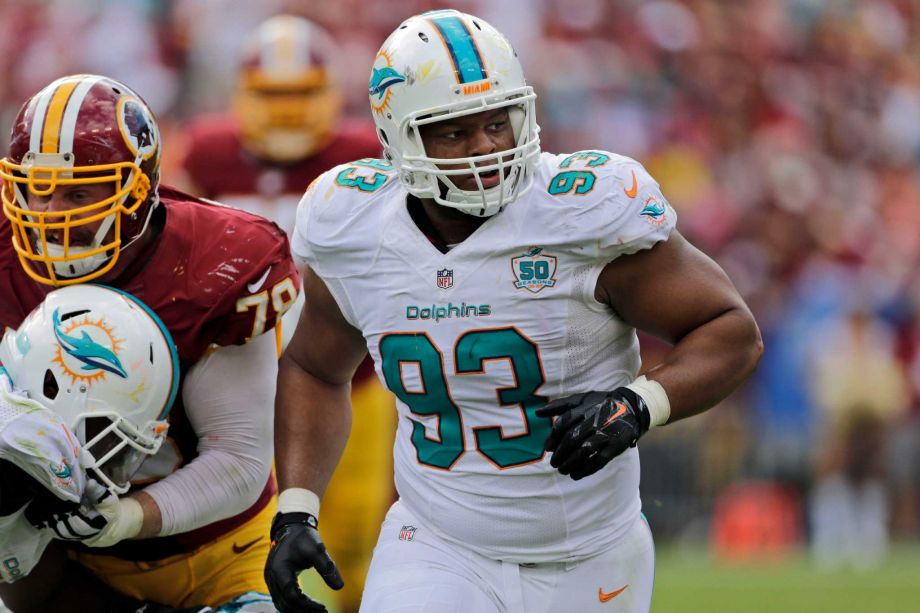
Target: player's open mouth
[[489, 179]]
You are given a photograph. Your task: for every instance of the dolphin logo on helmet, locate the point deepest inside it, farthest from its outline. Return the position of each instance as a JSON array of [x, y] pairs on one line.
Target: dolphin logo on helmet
[[121, 420], [382, 79], [86, 350]]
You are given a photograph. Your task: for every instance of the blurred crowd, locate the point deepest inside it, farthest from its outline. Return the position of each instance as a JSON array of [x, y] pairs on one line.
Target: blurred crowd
[[785, 132]]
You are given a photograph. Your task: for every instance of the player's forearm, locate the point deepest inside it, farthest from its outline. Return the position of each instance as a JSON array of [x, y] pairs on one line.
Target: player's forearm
[[214, 486], [312, 423], [229, 398], [709, 363], [153, 519]]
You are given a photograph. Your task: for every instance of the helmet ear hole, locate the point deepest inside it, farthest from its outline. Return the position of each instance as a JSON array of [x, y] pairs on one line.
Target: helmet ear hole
[[50, 386]]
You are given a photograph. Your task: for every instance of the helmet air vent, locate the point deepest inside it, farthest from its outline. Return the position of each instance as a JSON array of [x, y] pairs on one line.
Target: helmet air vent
[[72, 314]]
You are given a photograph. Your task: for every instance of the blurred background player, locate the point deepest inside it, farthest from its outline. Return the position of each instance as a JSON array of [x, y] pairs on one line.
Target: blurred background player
[[284, 130], [82, 201]]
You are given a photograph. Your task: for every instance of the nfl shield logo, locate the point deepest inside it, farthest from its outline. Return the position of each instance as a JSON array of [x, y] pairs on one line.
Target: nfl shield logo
[[407, 533], [445, 278]]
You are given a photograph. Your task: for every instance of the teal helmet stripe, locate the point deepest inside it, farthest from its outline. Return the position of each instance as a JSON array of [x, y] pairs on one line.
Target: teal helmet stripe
[[174, 389], [462, 49]]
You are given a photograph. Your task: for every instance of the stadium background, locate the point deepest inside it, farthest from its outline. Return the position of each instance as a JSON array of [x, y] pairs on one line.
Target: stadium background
[[786, 133]]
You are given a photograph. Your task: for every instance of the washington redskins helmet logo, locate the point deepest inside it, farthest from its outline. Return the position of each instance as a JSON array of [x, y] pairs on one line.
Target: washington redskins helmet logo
[[138, 127]]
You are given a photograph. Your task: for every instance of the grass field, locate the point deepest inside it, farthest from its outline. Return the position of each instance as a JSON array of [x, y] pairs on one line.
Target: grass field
[[692, 583]]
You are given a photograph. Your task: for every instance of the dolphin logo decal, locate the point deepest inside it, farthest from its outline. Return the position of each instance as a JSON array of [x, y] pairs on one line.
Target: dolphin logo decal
[[653, 209], [382, 79], [63, 472], [92, 354]]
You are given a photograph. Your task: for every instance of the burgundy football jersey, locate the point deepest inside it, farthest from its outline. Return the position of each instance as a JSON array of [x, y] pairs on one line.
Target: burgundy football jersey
[[220, 168], [216, 276]]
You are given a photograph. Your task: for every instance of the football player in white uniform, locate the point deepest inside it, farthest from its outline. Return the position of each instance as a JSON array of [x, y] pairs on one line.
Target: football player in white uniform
[[96, 434], [498, 290]]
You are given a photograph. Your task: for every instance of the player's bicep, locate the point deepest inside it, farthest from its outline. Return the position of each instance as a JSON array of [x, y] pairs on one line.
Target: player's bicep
[[324, 343], [668, 290]]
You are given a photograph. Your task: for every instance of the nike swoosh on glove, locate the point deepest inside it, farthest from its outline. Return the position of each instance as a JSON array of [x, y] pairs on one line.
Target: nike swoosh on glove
[[592, 428]]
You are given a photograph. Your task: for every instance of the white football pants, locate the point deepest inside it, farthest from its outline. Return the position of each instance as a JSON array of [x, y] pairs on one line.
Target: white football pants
[[414, 571]]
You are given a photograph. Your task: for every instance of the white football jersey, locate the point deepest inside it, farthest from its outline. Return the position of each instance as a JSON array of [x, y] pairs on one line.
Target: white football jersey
[[472, 342], [21, 546]]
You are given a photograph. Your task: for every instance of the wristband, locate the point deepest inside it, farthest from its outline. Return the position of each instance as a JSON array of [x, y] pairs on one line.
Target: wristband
[[298, 500], [125, 518], [656, 400]]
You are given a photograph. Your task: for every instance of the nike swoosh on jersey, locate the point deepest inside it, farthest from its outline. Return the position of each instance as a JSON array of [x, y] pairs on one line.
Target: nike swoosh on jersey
[[255, 285], [631, 192], [241, 548], [604, 597]]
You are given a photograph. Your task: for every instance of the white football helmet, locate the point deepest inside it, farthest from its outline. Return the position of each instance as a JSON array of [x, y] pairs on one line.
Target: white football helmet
[[106, 364], [442, 65]]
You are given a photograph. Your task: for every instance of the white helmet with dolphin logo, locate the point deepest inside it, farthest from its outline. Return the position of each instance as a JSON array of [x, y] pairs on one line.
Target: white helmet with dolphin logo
[[105, 363], [441, 65]]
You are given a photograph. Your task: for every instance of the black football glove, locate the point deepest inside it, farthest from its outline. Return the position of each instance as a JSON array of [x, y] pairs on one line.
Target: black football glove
[[70, 521], [592, 428], [296, 545]]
